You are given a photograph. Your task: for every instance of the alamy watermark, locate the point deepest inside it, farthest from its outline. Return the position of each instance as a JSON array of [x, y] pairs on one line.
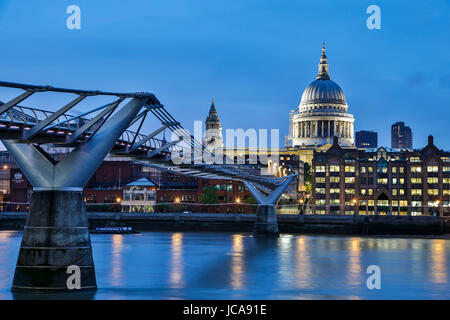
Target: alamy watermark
[[374, 20], [74, 19], [374, 280]]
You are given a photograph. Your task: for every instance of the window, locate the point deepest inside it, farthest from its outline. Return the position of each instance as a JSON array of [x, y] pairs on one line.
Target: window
[[363, 170], [320, 190], [394, 169], [414, 159], [349, 169], [394, 180], [403, 203], [335, 202], [446, 180], [416, 169], [320, 179], [432, 169], [334, 179], [445, 169], [402, 169], [401, 192], [394, 192], [320, 202], [363, 191], [446, 192], [416, 203], [432, 180], [370, 169], [370, 191], [416, 192], [320, 168], [416, 180], [402, 180], [349, 179], [382, 180], [334, 168], [433, 192], [349, 191], [334, 190]]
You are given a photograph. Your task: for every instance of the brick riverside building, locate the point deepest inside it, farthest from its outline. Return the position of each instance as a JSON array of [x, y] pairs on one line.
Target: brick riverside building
[[352, 181]]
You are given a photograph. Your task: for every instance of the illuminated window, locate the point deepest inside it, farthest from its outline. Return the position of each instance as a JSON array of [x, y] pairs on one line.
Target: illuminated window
[[394, 203], [402, 180], [394, 169], [402, 169], [382, 181], [416, 203], [334, 179], [349, 179], [370, 169], [349, 169], [432, 169], [446, 192], [403, 203], [416, 169], [320, 190], [446, 180], [401, 192], [335, 202], [394, 192], [445, 159], [334, 168], [433, 203], [371, 203], [416, 180], [320, 202], [334, 190], [394, 180], [370, 191], [445, 169], [320, 179], [416, 192], [320, 211], [363, 191], [432, 180], [416, 213], [320, 168], [349, 191], [414, 159], [433, 192], [363, 170]]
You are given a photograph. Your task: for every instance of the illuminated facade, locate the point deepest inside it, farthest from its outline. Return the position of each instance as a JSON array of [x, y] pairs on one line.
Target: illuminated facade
[[352, 181], [322, 113]]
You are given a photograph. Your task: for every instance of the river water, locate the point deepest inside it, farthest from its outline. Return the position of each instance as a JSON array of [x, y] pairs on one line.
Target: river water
[[204, 265]]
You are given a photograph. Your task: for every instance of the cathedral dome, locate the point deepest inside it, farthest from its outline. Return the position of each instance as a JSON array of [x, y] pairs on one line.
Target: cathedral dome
[[322, 91]]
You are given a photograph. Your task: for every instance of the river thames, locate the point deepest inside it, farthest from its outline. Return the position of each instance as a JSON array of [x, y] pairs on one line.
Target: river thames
[[203, 265]]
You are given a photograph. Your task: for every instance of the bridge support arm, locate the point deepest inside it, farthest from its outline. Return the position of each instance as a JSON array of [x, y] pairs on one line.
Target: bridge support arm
[[56, 233], [266, 224]]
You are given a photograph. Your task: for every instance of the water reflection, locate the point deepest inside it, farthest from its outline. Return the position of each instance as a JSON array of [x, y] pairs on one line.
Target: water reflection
[[355, 269], [176, 266], [237, 261], [303, 268], [116, 274], [438, 259]]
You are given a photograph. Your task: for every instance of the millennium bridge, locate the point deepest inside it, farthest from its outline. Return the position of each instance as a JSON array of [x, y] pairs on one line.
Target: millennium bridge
[[56, 233]]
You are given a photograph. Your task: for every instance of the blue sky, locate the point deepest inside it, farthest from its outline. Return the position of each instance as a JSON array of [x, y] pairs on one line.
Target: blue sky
[[253, 57]]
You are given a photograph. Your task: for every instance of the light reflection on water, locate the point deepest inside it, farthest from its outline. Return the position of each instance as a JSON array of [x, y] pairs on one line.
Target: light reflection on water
[[196, 265]]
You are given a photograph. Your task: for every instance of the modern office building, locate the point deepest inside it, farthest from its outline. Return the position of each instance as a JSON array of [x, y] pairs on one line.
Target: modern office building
[[366, 139], [381, 182], [401, 136]]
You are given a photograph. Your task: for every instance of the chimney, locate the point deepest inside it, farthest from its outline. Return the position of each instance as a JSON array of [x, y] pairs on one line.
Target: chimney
[[430, 140]]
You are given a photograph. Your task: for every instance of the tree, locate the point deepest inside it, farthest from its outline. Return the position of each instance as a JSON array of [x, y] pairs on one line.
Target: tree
[[307, 177], [209, 196]]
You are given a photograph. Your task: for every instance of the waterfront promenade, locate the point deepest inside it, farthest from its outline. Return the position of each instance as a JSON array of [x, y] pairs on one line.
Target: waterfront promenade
[[236, 222]]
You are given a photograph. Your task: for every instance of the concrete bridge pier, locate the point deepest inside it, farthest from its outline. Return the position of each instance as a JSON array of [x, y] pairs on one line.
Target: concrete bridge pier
[[266, 224], [56, 252]]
